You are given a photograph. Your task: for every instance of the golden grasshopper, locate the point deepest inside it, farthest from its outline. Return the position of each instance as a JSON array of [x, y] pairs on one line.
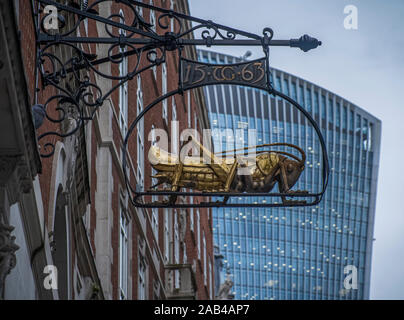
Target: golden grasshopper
[[223, 174]]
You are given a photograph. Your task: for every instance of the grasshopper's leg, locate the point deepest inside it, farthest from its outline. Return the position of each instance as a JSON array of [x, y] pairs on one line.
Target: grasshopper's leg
[[230, 178], [176, 180], [283, 183], [229, 181], [269, 181], [284, 187], [246, 181]]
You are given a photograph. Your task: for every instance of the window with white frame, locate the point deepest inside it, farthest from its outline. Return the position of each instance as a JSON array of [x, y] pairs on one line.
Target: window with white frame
[[86, 26], [83, 7], [198, 234], [191, 216], [210, 279], [189, 108], [155, 223], [176, 251], [164, 91], [140, 135], [205, 271], [156, 290], [152, 17], [174, 110], [86, 220], [153, 23], [155, 216], [174, 133], [176, 239], [123, 89], [123, 255], [139, 9], [184, 256], [142, 277], [166, 235], [172, 20], [195, 122]]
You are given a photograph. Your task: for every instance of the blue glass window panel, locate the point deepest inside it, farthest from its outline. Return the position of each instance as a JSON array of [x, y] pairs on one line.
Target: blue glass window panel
[[294, 92], [278, 83], [271, 78], [301, 95], [316, 104], [286, 87], [330, 111], [344, 117], [351, 120], [259, 125], [323, 107], [338, 115], [308, 100], [358, 124], [229, 121]]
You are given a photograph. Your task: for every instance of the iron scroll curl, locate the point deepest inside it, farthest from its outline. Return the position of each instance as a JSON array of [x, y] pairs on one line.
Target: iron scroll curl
[[230, 74]]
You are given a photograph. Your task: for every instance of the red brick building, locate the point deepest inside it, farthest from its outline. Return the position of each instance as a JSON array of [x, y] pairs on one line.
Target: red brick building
[[86, 226]]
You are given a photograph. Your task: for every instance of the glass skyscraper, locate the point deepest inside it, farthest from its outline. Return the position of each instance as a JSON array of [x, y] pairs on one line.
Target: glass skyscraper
[[300, 253]]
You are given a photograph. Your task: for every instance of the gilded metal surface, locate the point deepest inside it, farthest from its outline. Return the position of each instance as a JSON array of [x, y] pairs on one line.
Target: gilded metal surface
[[202, 177], [223, 174]]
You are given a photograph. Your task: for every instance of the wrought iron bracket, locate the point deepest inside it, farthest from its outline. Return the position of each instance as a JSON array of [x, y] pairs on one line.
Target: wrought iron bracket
[[76, 95]]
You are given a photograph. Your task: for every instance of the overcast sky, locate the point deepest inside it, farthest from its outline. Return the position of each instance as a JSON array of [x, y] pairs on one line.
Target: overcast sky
[[366, 67]]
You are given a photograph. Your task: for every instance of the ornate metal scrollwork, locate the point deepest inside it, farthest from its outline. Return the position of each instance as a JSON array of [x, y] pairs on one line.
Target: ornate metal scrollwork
[[76, 95]]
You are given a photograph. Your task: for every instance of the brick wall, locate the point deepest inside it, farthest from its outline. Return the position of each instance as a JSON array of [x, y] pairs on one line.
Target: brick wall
[[152, 88]]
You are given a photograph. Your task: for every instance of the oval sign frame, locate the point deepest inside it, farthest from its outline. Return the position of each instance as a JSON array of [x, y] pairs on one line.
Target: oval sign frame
[[231, 74]]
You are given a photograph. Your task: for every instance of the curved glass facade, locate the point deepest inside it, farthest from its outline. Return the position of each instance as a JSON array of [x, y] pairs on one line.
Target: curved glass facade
[[302, 253]]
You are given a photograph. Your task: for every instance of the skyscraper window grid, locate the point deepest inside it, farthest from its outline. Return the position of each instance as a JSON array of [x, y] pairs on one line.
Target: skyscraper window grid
[[299, 253]]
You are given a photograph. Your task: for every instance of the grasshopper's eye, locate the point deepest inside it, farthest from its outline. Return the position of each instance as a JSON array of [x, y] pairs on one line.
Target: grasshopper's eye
[[289, 167]]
